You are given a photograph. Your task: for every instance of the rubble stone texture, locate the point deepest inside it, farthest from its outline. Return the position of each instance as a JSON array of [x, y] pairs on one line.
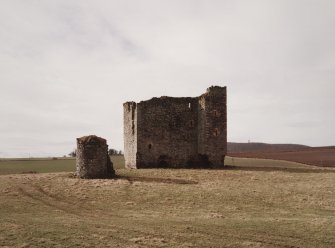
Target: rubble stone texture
[[177, 132], [92, 159]]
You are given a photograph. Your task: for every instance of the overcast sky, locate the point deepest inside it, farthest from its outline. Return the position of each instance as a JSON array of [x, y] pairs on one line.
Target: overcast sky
[[67, 66]]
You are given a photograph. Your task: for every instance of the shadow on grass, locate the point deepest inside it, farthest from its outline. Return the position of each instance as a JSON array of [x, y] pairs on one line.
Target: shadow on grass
[[156, 180], [273, 168], [255, 168]]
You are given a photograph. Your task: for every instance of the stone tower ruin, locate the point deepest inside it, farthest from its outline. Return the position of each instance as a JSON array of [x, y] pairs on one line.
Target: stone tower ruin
[[177, 131], [92, 159]]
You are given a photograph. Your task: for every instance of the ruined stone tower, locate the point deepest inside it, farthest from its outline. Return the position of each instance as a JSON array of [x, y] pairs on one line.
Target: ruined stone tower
[[177, 131], [92, 160]]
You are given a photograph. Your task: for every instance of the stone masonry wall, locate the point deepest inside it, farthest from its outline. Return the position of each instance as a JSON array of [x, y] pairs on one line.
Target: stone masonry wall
[[167, 132], [130, 133], [92, 159], [212, 135], [177, 132]]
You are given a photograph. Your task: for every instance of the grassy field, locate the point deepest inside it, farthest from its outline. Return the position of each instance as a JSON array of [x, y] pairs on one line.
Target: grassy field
[[19, 166], [252, 203], [46, 165]]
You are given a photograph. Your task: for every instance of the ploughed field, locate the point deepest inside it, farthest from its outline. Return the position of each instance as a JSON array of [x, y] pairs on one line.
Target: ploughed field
[[319, 156], [252, 203]]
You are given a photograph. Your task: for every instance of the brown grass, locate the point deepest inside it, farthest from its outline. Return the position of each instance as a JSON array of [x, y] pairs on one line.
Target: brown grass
[[293, 206]]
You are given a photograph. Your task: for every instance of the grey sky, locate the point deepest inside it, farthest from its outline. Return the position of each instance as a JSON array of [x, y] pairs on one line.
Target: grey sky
[[66, 67]]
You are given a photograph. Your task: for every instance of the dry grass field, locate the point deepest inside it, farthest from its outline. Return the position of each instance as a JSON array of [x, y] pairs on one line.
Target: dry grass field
[[43, 165], [252, 203]]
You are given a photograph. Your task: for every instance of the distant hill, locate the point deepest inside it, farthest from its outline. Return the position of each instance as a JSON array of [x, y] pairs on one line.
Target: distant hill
[[234, 147], [319, 156]]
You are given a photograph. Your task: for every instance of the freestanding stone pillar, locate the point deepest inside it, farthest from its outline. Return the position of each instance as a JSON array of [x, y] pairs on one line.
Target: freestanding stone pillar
[[92, 159]]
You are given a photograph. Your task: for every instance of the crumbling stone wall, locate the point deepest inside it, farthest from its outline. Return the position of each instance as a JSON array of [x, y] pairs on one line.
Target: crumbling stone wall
[[130, 131], [177, 132], [92, 159], [167, 132], [212, 131]]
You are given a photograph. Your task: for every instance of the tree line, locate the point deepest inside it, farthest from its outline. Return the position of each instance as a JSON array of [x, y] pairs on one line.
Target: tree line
[[111, 152]]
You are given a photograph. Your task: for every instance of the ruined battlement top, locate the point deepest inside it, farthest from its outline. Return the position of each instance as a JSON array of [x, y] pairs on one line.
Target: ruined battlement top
[[162, 99], [168, 99], [216, 88], [91, 139], [215, 91], [129, 103]]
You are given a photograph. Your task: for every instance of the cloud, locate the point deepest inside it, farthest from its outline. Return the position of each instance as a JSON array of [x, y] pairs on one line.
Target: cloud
[[66, 67]]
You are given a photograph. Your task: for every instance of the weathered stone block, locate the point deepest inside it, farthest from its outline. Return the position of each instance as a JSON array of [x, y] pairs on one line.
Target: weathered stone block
[[92, 159]]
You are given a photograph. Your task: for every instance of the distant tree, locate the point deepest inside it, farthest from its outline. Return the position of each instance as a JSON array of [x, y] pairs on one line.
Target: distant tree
[[73, 153], [112, 152]]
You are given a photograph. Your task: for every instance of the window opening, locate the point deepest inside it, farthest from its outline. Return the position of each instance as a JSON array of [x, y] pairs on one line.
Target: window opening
[[216, 113]]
